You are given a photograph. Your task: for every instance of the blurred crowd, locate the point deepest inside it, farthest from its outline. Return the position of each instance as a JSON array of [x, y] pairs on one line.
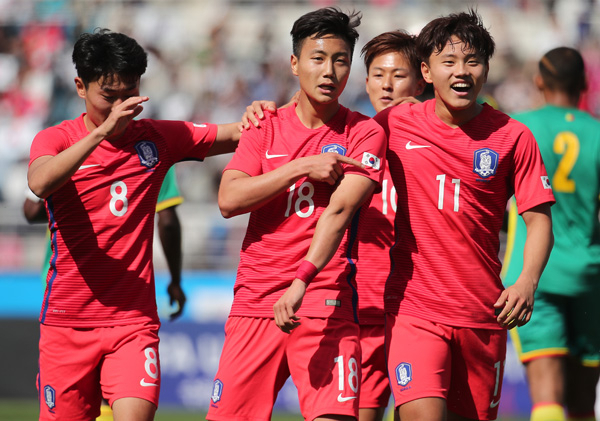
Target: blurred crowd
[[209, 59]]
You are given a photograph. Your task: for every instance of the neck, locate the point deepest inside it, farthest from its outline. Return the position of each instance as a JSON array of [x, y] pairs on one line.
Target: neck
[[314, 114], [561, 99], [456, 118]]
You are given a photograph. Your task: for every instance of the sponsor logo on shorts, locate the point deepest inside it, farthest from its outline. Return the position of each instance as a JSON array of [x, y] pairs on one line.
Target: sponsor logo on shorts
[[485, 162], [144, 383], [334, 147], [494, 404], [147, 152], [217, 391], [50, 396], [404, 373], [341, 398]]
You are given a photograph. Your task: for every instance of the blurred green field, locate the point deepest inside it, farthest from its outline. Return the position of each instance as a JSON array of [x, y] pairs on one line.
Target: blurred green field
[[27, 410]]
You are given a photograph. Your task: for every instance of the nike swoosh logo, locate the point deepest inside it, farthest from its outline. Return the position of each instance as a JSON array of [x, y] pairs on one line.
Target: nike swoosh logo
[[146, 384], [345, 399], [411, 146], [273, 156], [494, 404], [83, 167]]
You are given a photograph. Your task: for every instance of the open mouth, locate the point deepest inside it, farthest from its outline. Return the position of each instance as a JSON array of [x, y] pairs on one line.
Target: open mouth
[[461, 87], [327, 88]]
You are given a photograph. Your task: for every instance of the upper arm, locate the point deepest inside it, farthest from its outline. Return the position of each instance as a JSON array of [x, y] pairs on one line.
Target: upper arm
[[352, 192], [540, 214]]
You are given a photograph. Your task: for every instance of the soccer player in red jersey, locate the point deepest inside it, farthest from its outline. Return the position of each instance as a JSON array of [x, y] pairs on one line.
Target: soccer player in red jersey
[[302, 175], [393, 74], [100, 176], [455, 163]]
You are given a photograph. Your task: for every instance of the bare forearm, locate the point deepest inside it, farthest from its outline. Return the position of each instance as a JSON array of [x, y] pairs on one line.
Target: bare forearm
[[169, 231], [332, 225], [538, 244], [328, 236], [240, 193], [48, 173]]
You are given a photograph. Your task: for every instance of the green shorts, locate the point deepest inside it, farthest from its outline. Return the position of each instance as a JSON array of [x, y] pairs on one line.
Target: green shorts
[[561, 326]]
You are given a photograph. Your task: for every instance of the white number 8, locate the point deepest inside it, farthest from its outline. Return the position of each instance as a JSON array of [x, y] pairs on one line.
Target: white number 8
[[118, 196]]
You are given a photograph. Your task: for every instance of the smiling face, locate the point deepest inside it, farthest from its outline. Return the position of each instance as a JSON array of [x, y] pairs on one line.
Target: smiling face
[[322, 68], [457, 74], [391, 77]]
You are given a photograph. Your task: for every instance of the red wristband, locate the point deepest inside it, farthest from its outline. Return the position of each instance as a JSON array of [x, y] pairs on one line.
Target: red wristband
[[306, 272]]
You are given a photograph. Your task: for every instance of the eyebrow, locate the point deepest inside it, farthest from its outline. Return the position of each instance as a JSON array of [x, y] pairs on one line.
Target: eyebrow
[[395, 69], [126, 88]]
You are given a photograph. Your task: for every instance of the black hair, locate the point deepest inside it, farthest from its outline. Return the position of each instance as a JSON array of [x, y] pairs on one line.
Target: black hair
[[563, 69], [106, 55], [325, 21], [468, 27]]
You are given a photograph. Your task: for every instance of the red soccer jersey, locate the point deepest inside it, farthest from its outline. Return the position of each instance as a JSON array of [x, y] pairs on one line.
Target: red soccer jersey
[[375, 237], [453, 185], [102, 220], [280, 232]]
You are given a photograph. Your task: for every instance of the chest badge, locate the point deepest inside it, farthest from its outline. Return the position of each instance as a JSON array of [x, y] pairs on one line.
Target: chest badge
[[334, 147], [485, 162], [147, 153]]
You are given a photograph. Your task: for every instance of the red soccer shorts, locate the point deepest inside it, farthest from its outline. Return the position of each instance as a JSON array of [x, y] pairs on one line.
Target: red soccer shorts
[[375, 389], [464, 366], [321, 355], [80, 366]]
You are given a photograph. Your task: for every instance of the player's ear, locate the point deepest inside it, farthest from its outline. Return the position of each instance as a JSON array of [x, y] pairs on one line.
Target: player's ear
[[425, 72], [80, 86], [538, 81], [294, 64]]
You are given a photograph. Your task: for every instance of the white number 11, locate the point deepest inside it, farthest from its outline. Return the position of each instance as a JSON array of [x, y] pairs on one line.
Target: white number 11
[[456, 181]]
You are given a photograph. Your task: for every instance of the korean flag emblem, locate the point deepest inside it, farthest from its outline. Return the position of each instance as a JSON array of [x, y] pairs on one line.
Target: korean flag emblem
[[371, 160], [546, 182]]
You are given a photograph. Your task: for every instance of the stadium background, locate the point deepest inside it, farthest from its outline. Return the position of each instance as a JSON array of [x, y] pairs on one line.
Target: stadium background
[[208, 60]]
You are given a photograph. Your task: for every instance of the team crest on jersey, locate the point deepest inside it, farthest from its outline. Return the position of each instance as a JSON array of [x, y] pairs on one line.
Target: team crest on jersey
[[485, 162], [50, 396], [147, 153], [404, 373], [217, 391], [334, 147]]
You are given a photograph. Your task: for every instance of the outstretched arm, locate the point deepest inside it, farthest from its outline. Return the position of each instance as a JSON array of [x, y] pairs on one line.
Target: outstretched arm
[[48, 173], [516, 301], [228, 136], [345, 201], [241, 193]]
